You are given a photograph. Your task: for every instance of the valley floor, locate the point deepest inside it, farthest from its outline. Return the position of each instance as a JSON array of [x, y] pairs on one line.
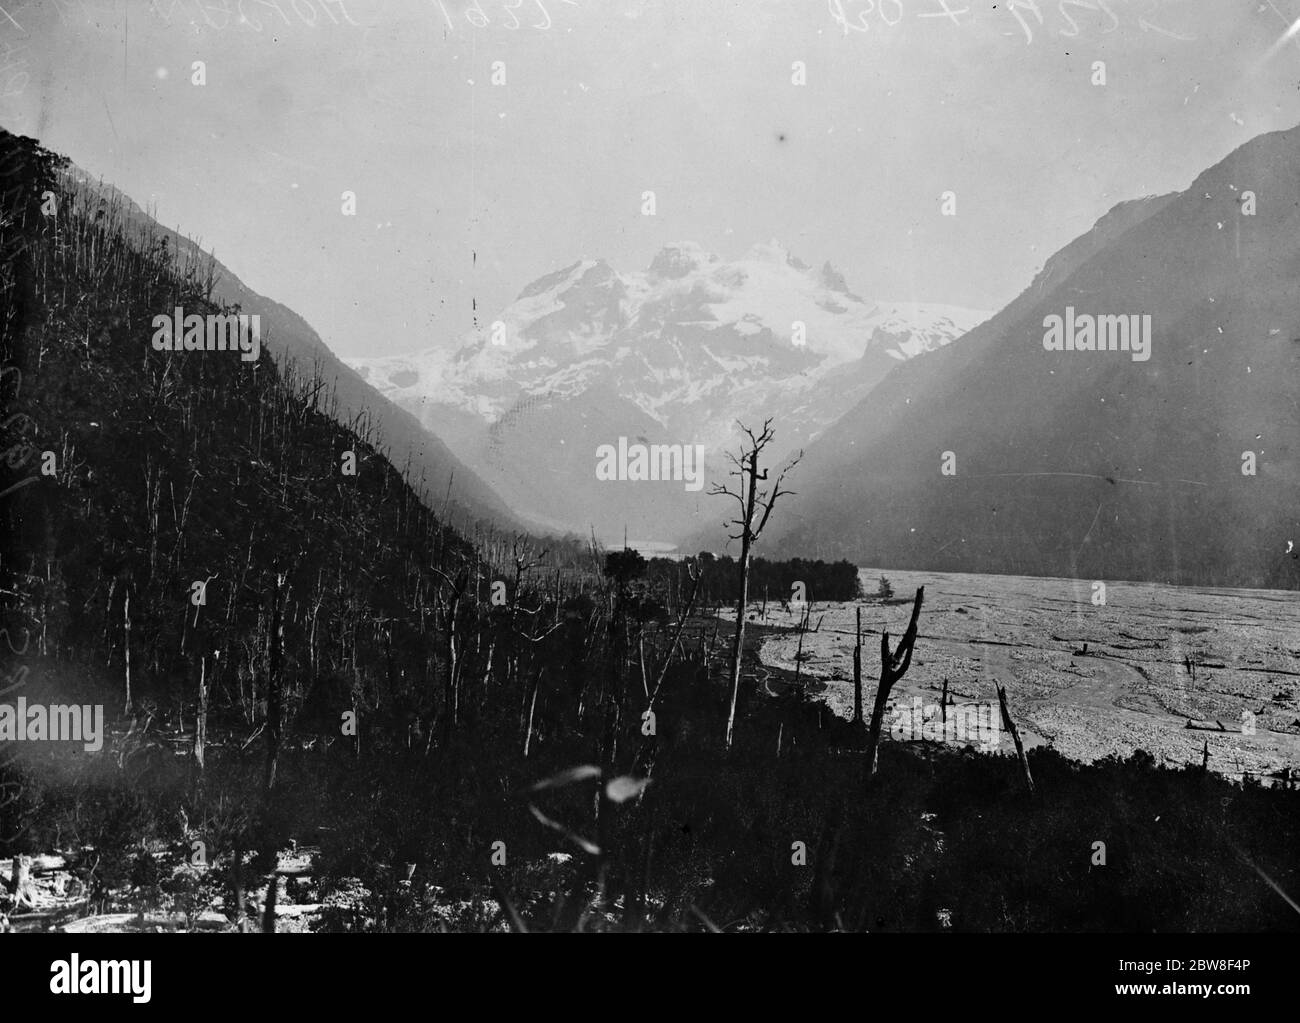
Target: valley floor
[[1157, 657]]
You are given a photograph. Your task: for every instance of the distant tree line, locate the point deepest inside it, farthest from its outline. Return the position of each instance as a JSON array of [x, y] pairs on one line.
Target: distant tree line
[[775, 580]]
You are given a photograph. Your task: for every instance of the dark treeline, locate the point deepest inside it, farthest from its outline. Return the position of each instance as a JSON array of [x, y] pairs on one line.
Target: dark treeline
[[772, 580], [291, 652], [1059, 557]]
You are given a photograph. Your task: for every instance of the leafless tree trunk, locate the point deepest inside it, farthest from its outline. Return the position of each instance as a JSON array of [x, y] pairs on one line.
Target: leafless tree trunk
[[532, 708], [1010, 726], [696, 573], [126, 646], [268, 912], [237, 881], [274, 684], [201, 716], [892, 667], [798, 654], [21, 886], [857, 673], [454, 651], [751, 499]]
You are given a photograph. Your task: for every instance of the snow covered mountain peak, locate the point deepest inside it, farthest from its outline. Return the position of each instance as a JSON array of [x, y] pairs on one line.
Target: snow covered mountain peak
[[684, 348]]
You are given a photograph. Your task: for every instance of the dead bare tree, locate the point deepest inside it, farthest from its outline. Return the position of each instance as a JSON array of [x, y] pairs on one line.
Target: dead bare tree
[[126, 644], [274, 680], [201, 716], [751, 499], [1010, 726], [695, 573], [857, 672], [21, 886], [893, 666], [455, 641]]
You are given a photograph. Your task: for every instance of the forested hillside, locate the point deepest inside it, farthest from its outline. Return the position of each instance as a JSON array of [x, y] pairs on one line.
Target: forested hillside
[[175, 508]]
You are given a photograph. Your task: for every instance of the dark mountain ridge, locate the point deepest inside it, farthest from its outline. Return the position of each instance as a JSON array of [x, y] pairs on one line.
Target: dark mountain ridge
[[1088, 463]]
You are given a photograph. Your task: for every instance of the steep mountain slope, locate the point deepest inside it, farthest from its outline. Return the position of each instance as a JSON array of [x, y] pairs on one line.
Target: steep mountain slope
[[171, 516], [1088, 463], [433, 469], [674, 354]]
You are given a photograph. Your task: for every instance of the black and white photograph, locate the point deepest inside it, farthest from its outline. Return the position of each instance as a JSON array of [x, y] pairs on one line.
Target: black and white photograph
[[652, 467]]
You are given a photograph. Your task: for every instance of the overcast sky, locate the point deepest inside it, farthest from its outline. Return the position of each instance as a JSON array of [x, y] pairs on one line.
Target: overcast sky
[[606, 99]]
